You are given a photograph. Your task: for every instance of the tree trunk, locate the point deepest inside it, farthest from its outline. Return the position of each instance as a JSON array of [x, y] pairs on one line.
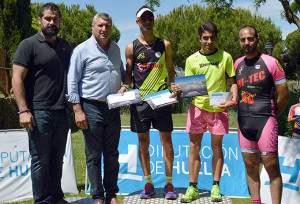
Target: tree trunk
[[290, 16]]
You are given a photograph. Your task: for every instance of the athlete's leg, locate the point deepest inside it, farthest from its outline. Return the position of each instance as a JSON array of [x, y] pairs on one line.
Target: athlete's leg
[[218, 158], [144, 142], [252, 167], [268, 145], [271, 165], [194, 158], [166, 141]]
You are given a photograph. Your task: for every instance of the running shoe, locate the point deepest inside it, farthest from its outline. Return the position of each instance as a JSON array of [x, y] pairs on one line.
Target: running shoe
[[215, 194], [190, 195], [169, 192], [148, 192]]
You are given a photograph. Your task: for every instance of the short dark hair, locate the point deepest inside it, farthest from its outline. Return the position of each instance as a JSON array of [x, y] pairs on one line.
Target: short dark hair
[[49, 6], [207, 26], [249, 26]]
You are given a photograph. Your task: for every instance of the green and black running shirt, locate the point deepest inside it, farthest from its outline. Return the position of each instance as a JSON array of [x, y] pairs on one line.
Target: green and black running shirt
[[149, 69]]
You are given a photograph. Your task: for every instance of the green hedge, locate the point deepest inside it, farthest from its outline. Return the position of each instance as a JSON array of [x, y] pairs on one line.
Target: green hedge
[[9, 118]]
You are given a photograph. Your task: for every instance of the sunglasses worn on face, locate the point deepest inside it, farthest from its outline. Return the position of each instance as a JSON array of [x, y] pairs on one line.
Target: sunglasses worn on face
[[150, 18]]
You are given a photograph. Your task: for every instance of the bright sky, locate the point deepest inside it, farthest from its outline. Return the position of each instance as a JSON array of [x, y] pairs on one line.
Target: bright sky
[[123, 14]]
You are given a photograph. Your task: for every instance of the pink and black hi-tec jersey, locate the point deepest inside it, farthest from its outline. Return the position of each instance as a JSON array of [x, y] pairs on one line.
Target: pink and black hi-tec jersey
[[257, 125], [256, 79]]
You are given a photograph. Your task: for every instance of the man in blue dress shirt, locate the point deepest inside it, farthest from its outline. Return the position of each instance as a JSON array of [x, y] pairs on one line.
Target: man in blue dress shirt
[[95, 71]]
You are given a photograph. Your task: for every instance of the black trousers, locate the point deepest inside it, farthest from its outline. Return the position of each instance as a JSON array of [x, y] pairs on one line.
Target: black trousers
[[102, 138]]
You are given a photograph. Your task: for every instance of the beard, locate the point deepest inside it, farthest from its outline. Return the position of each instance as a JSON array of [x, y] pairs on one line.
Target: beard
[[250, 49], [49, 32]]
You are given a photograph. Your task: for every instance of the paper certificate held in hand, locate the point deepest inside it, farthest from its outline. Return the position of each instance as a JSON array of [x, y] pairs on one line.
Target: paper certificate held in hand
[[191, 85], [160, 99], [129, 97], [216, 98]]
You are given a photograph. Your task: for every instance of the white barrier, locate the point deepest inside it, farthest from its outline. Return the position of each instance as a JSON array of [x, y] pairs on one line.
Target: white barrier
[[289, 160], [15, 181]]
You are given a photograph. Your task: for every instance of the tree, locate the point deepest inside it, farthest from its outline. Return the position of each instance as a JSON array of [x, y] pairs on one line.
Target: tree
[[15, 25], [76, 23], [180, 27], [290, 10], [291, 55]]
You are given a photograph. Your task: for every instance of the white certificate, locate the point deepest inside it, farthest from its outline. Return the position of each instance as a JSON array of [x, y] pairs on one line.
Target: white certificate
[[216, 98], [162, 99], [116, 98]]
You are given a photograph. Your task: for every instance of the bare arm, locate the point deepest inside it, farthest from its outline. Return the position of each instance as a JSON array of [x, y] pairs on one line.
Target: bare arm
[[26, 119], [233, 88], [292, 119], [169, 62], [129, 66], [283, 97], [171, 72]]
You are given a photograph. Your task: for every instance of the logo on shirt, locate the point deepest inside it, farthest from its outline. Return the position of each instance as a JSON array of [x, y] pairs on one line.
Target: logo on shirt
[[279, 67], [158, 54], [257, 66], [241, 69], [149, 65], [141, 56], [210, 63], [247, 97]]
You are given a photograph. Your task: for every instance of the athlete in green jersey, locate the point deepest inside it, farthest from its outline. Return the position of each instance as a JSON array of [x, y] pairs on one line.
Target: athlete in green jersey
[[216, 65]]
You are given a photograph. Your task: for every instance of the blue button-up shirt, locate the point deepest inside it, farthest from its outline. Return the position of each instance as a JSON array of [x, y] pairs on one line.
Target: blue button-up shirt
[[93, 73]]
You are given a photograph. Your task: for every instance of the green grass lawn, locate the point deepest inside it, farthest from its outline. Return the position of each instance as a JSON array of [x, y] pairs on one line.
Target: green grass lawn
[[79, 156]]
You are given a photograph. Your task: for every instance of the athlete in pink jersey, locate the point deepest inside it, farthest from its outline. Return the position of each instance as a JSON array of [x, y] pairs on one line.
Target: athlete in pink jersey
[[294, 117], [258, 77]]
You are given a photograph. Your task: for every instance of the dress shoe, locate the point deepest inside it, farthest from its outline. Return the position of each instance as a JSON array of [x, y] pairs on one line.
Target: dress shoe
[[114, 201]]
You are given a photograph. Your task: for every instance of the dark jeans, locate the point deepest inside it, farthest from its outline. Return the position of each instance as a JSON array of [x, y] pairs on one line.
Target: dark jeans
[[102, 137], [47, 143]]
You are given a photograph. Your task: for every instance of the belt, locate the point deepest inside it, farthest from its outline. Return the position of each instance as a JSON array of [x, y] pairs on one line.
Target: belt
[[104, 102]]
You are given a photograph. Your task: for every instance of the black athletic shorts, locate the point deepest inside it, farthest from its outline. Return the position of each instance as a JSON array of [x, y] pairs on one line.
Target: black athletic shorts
[[142, 115]]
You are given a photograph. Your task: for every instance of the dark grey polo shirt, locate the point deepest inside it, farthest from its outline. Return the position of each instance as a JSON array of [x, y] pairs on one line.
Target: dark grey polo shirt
[[45, 82]]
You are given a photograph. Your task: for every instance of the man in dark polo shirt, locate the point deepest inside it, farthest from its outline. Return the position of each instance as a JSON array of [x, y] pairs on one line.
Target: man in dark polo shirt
[[39, 84]]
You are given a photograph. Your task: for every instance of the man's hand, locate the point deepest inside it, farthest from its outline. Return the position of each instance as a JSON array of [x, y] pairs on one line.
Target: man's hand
[[123, 89], [227, 104], [175, 90], [81, 120], [27, 120]]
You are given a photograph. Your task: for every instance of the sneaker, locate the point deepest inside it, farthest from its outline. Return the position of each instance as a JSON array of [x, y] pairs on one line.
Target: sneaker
[[169, 192], [148, 192], [215, 194], [190, 195]]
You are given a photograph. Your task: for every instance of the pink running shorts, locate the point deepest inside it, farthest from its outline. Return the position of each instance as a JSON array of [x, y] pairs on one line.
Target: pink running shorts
[[258, 134], [198, 120]]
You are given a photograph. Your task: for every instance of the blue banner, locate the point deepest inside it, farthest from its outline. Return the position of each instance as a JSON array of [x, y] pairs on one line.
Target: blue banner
[[233, 181]]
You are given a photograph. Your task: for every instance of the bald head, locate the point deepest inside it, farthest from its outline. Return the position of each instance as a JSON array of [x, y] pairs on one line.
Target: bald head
[[249, 28]]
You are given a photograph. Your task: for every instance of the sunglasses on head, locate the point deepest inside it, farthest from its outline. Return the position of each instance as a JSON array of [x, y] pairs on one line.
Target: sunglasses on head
[[150, 18]]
